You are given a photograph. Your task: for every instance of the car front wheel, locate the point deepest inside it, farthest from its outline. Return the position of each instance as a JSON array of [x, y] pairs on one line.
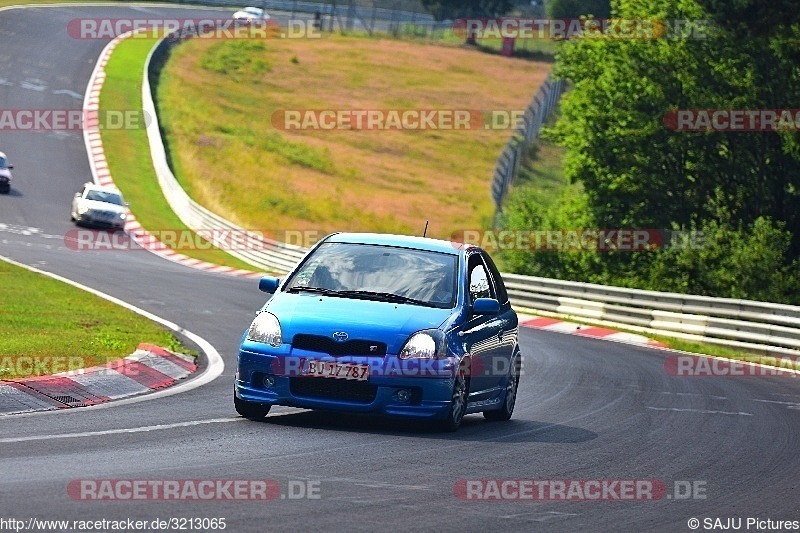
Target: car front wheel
[[507, 409], [251, 410], [458, 404]]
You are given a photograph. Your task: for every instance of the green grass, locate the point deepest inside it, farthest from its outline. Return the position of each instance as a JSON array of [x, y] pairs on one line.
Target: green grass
[[48, 326], [218, 113], [128, 150]]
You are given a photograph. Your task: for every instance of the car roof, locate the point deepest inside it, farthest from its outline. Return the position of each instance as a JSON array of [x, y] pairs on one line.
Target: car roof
[[104, 188], [2, 154], [402, 241]]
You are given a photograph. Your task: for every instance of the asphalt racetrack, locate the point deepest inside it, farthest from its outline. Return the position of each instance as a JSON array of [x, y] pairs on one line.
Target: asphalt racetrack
[[587, 409]]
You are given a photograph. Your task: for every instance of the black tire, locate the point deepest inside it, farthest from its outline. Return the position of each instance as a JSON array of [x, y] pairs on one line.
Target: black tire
[[251, 410], [458, 404], [510, 399]]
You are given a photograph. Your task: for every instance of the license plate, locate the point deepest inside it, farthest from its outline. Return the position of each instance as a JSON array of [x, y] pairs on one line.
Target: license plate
[[331, 369]]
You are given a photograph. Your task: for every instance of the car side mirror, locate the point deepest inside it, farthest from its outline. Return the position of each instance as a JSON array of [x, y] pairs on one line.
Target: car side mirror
[[10, 167], [127, 204], [268, 284], [485, 306]]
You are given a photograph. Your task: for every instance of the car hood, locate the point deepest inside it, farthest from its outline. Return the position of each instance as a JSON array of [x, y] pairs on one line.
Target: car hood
[[102, 206], [360, 319], [5, 173]]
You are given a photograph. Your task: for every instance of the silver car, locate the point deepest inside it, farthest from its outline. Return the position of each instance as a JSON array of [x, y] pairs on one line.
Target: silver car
[[251, 14], [99, 206], [5, 174]]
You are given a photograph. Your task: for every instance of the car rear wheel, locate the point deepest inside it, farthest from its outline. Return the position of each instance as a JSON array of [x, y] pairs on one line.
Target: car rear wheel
[[458, 404], [507, 409], [251, 410]]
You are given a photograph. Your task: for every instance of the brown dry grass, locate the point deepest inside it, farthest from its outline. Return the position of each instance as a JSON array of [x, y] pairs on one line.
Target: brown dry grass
[[231, 158]]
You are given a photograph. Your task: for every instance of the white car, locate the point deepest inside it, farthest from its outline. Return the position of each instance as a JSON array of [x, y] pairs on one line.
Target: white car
[[250, 14], [5, 174], [99, 206]]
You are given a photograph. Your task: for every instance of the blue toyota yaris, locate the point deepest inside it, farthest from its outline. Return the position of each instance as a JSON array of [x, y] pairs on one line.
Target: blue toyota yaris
[[385, 324]]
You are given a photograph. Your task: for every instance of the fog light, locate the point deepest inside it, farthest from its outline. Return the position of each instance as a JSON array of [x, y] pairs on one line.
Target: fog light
[[402, 395], [269, 382]]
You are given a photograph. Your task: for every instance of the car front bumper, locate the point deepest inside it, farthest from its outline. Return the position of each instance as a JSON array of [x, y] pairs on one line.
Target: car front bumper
[[395, 390], [101, 222]]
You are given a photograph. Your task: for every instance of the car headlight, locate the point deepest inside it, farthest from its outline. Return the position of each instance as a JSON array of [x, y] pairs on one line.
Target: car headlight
[[123, 216], [82, 210], [265, 328], [426, 344]]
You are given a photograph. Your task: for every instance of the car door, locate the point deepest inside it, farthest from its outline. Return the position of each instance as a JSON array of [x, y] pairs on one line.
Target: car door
[[508, 324], [482, 333]]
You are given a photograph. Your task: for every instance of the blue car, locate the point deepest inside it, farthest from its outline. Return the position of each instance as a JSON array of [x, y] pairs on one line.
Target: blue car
[[384, 324]]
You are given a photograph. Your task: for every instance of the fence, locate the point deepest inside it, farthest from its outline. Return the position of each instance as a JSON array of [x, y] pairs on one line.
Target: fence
[[526, 133], [347, 15]]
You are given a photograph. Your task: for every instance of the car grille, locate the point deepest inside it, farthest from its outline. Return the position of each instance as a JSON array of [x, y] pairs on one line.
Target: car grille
[[321, 344], [333, 389]]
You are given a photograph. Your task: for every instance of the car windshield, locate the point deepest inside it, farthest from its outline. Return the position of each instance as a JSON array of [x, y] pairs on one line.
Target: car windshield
[[3, 162], [379, 272], [253, 10], [104, 196]]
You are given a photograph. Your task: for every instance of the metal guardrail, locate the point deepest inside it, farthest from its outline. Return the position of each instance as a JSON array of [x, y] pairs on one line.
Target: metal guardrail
[[269, 255], [525, 134], [760, 327], [766, 328]]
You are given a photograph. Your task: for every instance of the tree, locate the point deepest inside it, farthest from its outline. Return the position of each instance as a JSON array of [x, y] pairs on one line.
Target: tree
[[636, 172]]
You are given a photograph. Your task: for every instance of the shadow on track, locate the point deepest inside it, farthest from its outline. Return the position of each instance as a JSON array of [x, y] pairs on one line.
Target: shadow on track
[[473, 427]]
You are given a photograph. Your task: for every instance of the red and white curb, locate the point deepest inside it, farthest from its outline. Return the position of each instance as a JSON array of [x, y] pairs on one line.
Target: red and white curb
[[148, 368], [561, 326], [102, 176]]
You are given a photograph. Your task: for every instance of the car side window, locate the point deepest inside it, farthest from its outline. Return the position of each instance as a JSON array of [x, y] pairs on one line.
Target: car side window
[[499, 286], [479, 284]]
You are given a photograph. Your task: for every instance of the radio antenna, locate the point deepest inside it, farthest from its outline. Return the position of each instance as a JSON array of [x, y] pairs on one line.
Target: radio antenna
[[424, 233]]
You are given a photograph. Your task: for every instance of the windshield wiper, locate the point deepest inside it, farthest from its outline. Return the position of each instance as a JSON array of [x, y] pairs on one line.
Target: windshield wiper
[[385, 297], [318, 290]]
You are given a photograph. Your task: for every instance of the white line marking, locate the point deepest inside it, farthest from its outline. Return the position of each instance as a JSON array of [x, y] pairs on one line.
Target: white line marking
[[779, 403], [142, 429], [701, 411]]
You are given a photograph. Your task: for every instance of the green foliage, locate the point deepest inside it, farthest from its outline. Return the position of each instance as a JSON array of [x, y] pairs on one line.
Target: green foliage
[[733, 262], [741, 190], [578, 8]]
